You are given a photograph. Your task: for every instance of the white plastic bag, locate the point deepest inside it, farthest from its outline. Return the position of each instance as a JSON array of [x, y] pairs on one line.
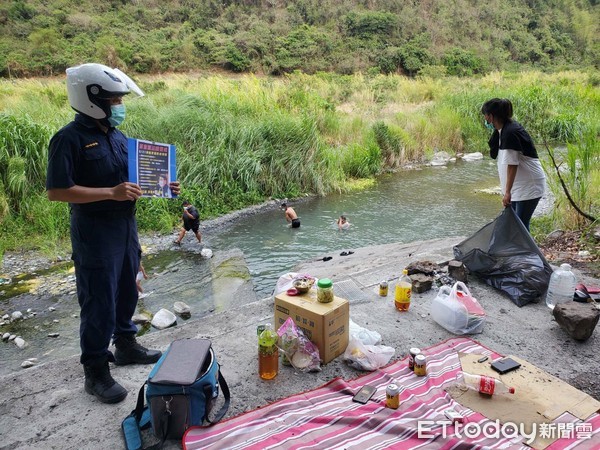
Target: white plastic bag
[[457, 310], [365, 336], [367, 357]]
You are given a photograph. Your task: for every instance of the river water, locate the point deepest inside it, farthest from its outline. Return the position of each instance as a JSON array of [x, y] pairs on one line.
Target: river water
[[406, 206]]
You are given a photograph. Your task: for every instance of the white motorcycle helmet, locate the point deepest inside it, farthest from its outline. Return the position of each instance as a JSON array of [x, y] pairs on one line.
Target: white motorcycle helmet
[[90, 86]]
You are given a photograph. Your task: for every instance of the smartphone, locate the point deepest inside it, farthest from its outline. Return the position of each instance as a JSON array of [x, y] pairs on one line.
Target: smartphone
[[505, 365], [365, 393]]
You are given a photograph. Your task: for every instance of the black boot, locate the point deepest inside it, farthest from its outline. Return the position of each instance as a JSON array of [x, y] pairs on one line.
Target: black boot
[[100, 383], [129, 351]]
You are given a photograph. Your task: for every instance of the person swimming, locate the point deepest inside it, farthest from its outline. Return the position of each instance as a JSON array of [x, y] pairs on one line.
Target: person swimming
[[343, 223]]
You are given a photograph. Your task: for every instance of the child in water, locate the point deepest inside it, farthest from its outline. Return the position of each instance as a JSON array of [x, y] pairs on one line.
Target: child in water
[[141, 276]]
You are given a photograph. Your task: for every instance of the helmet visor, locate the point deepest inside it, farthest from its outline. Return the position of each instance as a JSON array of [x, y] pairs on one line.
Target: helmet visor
[[130, 83]]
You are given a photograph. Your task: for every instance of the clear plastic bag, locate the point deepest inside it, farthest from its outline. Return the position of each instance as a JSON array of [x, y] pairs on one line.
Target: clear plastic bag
[[457, 310], [367, 357], [367, 337], [299, 351]]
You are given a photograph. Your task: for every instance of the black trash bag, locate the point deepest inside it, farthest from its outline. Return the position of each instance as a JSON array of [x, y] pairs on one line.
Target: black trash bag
[[504, 254]]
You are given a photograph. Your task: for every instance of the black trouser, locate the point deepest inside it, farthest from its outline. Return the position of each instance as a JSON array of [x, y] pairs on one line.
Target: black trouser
[[524, 209], [295, 223], [106, 253]]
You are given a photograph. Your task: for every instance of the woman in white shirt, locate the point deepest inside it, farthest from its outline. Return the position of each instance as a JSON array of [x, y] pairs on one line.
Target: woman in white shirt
[[521, 174]]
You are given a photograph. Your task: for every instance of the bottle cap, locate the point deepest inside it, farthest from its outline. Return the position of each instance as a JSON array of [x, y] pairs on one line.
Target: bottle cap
[[420, 359], [405, 271], [511, 390], [267, 338], [324, 283], [415, 351], [565, 266]]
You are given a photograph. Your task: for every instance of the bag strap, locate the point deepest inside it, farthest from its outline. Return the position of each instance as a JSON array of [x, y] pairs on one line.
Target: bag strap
[[207, 393], [137, 420]]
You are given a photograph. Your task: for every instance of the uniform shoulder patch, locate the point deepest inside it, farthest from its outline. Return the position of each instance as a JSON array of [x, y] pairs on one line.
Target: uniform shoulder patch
[[92, 144]]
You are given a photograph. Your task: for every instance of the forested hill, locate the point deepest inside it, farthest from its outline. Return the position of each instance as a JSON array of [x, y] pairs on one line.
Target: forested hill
[[456, 37]]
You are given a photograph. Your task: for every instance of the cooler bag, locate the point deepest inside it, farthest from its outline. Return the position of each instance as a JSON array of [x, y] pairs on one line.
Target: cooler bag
[[180, 392]]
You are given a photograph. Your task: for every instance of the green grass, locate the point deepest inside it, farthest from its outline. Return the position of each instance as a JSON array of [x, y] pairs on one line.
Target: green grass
[[246, 139]]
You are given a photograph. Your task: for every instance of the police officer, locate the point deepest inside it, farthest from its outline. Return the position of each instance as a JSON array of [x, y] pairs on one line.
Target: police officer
[[88, 168]]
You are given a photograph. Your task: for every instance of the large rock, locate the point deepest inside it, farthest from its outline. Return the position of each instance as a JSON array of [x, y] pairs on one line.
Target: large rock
[[577, 319]]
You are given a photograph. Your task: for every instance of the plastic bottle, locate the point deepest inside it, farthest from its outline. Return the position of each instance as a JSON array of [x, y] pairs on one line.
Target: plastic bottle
[[486, 385], [562, 286], [403, 292], [268, 353]]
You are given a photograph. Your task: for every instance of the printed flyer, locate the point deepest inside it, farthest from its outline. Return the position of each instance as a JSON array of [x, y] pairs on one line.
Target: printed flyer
[[152, 167]]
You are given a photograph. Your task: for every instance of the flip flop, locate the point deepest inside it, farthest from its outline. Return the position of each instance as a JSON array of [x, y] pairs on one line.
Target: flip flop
[[343, 254], [327, 258]]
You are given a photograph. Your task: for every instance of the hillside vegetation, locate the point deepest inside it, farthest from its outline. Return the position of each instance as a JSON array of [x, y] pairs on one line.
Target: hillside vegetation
[[428, 37]]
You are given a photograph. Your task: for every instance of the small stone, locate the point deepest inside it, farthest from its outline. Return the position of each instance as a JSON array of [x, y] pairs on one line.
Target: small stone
[[71, 292], [75, 316], [5, 317], [55, 321], [457, 270], [53, 335], [5, 336], [584, 254], [555, 234], [29, 310], [421, 282], [141, 319], [32, 360], [163, 319], [51, 308], [12, 337], [17, 315], [27, 364], [20, 342], [182, 309]]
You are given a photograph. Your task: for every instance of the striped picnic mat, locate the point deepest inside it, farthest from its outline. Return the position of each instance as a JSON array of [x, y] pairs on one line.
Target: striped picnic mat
[[327, 418]]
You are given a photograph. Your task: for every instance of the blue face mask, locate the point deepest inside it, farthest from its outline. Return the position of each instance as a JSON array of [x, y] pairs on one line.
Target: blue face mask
[[489, 126], [117, 115]]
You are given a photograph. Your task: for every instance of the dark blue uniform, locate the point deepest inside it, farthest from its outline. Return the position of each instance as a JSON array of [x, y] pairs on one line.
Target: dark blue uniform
[[106, 250]]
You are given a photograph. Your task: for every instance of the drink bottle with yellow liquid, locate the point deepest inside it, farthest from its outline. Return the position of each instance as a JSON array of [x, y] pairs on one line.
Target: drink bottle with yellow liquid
[[403, 292], [268, 353]]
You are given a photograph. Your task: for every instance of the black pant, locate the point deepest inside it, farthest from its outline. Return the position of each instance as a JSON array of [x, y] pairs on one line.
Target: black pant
[[106, 253], [524, 210]]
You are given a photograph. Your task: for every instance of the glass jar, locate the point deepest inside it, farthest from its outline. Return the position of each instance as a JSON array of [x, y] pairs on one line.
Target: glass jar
[[324, 290]]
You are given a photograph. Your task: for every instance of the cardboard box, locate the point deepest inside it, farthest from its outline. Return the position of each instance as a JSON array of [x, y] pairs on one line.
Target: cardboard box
[[325, 324]]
